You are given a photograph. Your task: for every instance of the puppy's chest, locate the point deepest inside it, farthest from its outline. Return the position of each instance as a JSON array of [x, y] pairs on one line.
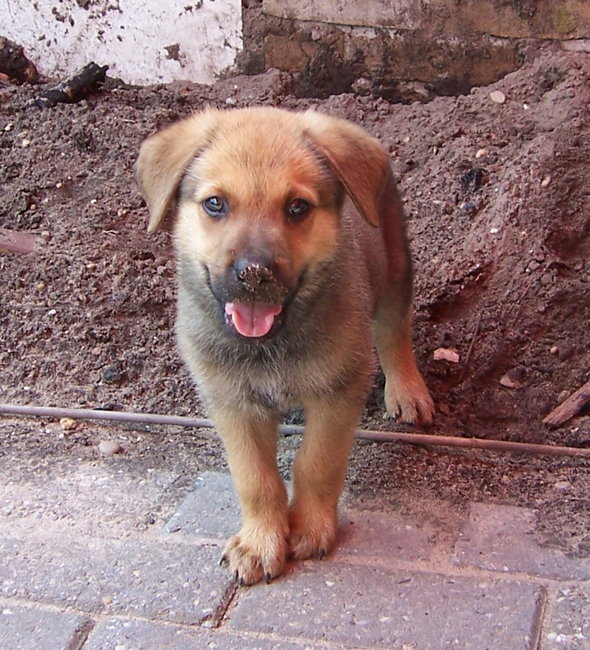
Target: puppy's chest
[[281, 385], [275, 393]]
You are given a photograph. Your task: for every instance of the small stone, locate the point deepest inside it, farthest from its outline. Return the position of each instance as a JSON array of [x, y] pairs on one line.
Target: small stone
[[68, 424], [498, 96], [481, 153], [113, 374], [473, 179], [362, 86], [508, 382], [110, 447], [546, 181], [514, 378], [25, 143], [446, 354], [554, 349]]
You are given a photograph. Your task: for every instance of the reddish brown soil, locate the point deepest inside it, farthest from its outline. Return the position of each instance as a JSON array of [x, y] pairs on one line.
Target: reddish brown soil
[[497, 202]]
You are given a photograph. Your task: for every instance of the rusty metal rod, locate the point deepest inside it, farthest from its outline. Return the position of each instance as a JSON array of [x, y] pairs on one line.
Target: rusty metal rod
[[292, 429]]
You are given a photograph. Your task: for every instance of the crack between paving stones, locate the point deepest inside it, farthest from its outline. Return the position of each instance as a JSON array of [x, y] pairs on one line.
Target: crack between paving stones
[[540, 615], [215, 619], [81, 635]]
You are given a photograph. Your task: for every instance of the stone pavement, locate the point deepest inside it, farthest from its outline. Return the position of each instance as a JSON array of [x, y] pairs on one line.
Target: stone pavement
[[71, 581]]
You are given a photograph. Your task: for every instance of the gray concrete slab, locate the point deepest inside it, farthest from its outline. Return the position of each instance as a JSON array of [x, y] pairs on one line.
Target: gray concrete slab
[[367, 606], [569, 625], [500, 538], [210, 509], [172, 582], [381, 535], [86, 497], [143, 635], [29, 628]]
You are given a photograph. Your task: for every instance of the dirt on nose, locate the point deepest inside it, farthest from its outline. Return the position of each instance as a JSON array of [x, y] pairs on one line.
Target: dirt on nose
[[254, 276]]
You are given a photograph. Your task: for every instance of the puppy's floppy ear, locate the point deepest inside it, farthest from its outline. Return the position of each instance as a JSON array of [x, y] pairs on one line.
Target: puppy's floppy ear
[[163, 159], [359, 160]]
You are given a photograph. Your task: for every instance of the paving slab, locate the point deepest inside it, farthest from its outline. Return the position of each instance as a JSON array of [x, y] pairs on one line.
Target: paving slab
[[28, 628], [365, 606], [381, 535], [500, 538], [142, 635], [171, 582], [569, 625], [210, 509], [85, 497]]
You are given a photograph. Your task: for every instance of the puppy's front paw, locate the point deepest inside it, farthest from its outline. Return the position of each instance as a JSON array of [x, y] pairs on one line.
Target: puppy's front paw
[[312, 530], [408, 401], [255, 555]]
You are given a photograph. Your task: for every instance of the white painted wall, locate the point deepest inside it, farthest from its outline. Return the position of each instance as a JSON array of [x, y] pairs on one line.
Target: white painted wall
[[142, 41]]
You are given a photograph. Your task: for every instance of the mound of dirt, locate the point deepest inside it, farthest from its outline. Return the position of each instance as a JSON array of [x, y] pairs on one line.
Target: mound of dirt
[[496, 191]]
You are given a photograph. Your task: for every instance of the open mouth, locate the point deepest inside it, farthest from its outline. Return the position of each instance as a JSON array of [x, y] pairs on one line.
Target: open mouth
[[252, 319]]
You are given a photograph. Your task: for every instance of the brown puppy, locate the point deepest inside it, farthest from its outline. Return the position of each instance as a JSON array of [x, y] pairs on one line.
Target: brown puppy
[[291, 250]]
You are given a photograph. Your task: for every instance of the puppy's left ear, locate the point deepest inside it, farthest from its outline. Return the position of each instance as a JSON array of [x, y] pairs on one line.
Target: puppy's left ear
[[164, 158], [358, 159]]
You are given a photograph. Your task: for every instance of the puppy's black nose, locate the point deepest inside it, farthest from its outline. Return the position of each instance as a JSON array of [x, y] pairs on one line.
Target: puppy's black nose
[[253, 274]]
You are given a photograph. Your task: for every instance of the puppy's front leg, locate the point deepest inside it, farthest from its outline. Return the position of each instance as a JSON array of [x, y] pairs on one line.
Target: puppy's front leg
[[259, 550], [318, 475]]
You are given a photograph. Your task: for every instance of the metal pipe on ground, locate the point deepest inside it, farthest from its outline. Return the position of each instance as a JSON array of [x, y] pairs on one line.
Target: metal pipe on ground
[[290, 429]]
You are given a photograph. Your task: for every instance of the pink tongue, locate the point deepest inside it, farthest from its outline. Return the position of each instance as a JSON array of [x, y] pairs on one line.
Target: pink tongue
[[252, 319]]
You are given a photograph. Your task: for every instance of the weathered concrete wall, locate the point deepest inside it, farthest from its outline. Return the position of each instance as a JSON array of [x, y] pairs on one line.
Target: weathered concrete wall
[[405, 49], [143, 41], [545, 19]]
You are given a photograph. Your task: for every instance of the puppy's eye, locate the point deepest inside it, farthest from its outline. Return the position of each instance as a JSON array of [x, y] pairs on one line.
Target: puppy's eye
[[298, 209], [216, 207]]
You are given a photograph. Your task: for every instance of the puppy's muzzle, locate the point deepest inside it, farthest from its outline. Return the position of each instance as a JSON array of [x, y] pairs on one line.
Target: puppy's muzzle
[[256, 296]]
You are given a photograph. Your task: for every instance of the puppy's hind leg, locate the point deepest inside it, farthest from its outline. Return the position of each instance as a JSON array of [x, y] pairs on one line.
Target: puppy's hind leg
[[406, 395], [259, 550]]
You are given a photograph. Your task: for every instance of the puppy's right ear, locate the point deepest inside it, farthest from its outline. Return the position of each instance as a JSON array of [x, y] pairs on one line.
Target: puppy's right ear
[[163, 159]]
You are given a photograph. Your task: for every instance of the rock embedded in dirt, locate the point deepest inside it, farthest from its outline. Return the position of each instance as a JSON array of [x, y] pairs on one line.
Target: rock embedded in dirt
[[68, 424], [498, 96], [113, 374], [110, 447], [446, 354]]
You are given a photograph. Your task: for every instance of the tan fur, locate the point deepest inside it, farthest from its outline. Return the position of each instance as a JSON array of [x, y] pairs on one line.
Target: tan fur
[[342, 266]]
